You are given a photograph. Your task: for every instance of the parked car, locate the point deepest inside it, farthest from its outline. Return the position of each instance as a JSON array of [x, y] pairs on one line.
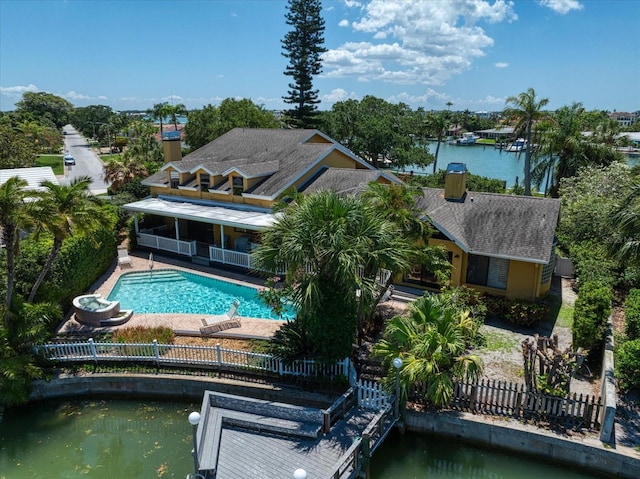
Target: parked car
[[69, 159]]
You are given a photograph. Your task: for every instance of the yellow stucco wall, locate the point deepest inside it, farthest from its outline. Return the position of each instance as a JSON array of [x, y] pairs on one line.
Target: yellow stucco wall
[[523, 280]]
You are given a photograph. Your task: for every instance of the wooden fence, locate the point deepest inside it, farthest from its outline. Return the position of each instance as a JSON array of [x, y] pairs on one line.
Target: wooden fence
[[512, 399], [175, 355]]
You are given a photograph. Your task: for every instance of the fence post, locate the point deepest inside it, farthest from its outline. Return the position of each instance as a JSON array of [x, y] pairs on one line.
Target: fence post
[[219, 354], [94, 352], [156, 352], [366, 453]]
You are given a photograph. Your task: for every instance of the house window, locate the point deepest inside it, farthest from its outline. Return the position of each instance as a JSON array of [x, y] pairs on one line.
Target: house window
[[204, 181], [238, 185], [421, 274], [486, 271], [547, 269], [175, 179]]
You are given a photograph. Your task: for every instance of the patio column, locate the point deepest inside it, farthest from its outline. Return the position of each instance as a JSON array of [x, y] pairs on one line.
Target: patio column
[[175, 221], [222, 245], [135, 223]]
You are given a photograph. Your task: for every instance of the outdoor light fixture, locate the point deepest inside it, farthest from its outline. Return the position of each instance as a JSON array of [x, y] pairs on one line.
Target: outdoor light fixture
[[299, 474], [194, 420], [397, 363]]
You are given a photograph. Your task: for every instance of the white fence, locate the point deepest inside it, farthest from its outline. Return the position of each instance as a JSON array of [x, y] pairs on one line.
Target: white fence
[[186, 248], [157, 355], [371, 395]]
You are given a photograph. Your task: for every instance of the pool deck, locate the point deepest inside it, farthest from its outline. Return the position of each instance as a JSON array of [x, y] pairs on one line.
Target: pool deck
[[182, 324]]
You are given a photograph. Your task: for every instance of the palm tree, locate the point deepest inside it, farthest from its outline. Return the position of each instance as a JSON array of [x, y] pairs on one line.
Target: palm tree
[[333, 248], [173, 111], [431, 341], [626, 223], [62, 211], [524, 110], [563, 149], [438, 125], [14, 216], [159, 112], [120, 172]]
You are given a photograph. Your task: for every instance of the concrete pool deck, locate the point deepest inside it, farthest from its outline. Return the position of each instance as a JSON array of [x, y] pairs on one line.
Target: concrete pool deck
[[182, 324]]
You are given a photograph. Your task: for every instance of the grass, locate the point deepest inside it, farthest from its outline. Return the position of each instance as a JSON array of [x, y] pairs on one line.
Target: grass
[[498, 342], [110, 158], [54, 161], [560, 314]]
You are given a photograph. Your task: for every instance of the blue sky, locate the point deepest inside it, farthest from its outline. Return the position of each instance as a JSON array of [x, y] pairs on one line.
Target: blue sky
[[131, 54]]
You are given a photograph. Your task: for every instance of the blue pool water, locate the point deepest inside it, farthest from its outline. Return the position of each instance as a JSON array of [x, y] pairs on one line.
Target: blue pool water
[[173, 291]]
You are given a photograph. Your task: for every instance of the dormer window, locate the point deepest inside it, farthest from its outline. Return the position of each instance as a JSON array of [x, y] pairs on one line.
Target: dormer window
[[175, 180], [238, 185], [204, 181]]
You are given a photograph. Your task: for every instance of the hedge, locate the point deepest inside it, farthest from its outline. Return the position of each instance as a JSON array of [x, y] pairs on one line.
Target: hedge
[[592, 309], [632, 314]]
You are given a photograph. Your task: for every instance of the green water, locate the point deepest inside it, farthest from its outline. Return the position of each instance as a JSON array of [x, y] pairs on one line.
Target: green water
[[114, 439], [96, 439], [420, 456]]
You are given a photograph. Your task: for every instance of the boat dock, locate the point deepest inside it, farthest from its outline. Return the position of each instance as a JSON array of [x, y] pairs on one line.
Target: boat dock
[[239, 437]]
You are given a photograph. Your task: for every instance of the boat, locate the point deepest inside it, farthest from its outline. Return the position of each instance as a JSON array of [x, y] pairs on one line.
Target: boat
[[519, 145], [467, 139]]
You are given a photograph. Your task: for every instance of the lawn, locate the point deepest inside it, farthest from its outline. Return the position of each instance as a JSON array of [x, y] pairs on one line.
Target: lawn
[[54, 161]]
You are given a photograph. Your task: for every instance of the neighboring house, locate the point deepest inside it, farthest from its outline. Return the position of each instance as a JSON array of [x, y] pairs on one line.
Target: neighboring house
[[212, 204], [623, 118], [33, 176], [499, 244]]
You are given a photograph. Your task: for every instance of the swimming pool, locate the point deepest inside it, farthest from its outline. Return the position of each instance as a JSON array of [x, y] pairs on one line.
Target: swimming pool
[[175, 291]]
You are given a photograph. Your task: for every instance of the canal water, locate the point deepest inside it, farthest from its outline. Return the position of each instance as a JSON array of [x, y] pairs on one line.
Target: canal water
[[113, 439], [481, 160]]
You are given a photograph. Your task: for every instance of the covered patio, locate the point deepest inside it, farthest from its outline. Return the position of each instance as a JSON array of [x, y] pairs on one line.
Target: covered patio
[[205, 231]]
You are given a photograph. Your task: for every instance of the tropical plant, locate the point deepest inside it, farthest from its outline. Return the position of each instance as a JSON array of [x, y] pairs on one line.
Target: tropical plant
[[119, 172], [14, 216], [438, 124], [159, 112], [333, 247], [524, 110], [303, 48], [174, 111], [62, 211], [432, 341], [625, 221], [563, 149]]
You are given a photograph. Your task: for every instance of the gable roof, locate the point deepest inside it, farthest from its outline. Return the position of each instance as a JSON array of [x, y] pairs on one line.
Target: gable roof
[[282, 155], [491, 224], [345, 180]]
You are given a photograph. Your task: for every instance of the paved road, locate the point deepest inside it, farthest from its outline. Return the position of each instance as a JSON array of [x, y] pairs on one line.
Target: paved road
[[87, 163]]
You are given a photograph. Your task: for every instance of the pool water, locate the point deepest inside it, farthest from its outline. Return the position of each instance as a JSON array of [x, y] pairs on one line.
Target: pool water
[[173, 291]]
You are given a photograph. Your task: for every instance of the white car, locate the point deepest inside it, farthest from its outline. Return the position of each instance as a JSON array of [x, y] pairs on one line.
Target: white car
[[69, 159]]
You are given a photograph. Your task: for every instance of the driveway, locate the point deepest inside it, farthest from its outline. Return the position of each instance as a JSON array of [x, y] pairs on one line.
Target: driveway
[[87, 163]]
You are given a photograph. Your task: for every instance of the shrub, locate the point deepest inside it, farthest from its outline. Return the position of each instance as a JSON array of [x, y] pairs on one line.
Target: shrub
[[497, 306], [142, 334], [592, 264], [628, 365], [632, 314], [592, 308], [526, 313]]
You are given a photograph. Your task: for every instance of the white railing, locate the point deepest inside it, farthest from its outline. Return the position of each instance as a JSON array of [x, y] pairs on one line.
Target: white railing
[[228, 256], [186, 355], [187, 248]]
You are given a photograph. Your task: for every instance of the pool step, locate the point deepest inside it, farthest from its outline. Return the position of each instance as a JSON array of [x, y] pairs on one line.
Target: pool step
[[153, 276]]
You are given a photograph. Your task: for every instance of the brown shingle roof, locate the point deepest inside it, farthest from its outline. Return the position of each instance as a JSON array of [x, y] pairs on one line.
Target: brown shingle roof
[[509, 226], [344, 180], [282, 155]]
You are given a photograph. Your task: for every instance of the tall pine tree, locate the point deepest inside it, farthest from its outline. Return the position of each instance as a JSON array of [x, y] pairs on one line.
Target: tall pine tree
[[303, 47]]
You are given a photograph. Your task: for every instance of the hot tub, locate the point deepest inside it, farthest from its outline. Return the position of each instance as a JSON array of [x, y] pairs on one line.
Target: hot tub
[[93, 309]]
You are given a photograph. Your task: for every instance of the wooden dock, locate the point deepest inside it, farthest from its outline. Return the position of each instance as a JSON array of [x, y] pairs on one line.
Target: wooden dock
[[239, 437]]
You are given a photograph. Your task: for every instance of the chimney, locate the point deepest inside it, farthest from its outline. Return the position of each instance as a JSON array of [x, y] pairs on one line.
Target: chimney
[[171, 146], [455, 182]]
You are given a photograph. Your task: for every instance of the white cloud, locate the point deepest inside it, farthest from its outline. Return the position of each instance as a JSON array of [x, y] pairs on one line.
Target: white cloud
[[338, 94], [501, 65], [72, 95], [415, 42], [18, 90], [561, 6], [343, 23]]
